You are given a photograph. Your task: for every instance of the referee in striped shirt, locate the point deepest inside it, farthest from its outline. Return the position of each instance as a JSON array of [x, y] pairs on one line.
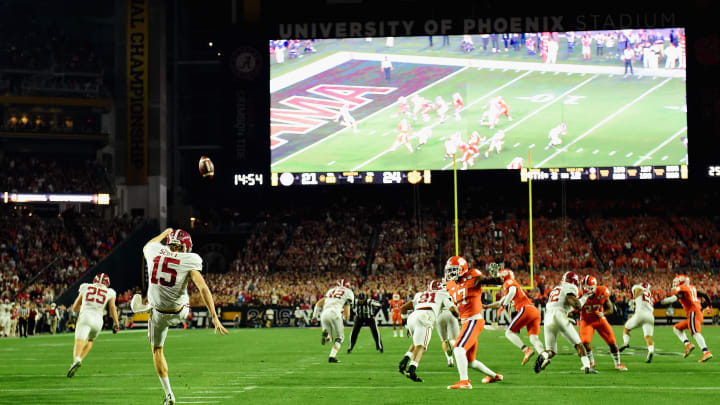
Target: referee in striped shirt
[[23, 315], [365, 309]]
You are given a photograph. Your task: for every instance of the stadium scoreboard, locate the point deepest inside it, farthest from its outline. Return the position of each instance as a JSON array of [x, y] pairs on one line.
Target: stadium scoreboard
[[605, 173], [350, 177]]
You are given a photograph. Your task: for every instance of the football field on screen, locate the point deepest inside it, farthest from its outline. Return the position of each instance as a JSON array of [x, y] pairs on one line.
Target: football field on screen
[[611, 120], [289, 366]]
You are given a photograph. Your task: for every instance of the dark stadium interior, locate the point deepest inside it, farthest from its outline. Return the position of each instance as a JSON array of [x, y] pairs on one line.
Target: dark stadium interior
[[78, 127]]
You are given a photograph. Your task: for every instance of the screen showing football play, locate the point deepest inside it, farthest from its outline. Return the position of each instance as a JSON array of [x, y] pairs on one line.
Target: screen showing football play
[[545, 100]]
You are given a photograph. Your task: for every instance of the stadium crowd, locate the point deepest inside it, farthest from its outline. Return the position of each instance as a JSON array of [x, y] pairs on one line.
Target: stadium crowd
[[291, 260], [21, 174]]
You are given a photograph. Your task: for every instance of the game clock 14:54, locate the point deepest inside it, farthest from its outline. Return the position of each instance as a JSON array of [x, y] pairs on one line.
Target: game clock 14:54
[[249, 179]]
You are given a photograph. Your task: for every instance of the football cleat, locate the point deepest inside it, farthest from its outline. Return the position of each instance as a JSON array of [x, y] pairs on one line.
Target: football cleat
[[169, 399], [649, 357], [590, 370], [529, 352], [461, 385], [333, 360], [403, 364], [490, 380], [541, 363], [349, 351], [137, 306], [689, 347], [451, 363], [706, 356], [413, 377], [73, 369], [325, 338], [623, 347], [621, 367]]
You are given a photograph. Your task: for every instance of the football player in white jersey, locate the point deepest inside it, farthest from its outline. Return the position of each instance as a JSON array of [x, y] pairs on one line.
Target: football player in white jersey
[[448, 328], [554, 135], [170, 267], [335, 307], [426, 306], [644, 317], [91, 302], [345, 118], [562, 300], [495, 143], [5, 308]]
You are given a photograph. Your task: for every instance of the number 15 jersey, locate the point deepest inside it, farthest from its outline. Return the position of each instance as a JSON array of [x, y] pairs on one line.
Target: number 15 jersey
[[168, 274]]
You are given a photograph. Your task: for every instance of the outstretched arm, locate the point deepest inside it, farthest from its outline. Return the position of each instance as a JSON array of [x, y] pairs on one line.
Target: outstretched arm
[[207, 297], [160, 237], [609, 309]]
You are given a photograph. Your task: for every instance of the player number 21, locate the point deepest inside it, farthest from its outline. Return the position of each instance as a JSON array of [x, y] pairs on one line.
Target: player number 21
[[165, 268]]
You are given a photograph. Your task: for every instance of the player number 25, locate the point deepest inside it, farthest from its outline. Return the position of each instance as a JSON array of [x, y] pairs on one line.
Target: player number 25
[[95, 294], [167, 268]]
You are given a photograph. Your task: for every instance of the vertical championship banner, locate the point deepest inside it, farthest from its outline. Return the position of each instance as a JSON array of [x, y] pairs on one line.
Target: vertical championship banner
[[137, 92]]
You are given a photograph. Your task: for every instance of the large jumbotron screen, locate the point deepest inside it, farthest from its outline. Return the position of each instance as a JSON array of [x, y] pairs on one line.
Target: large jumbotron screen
[[380, 105]]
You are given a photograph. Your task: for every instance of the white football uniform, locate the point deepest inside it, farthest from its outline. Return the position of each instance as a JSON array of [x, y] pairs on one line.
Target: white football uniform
[[94, 299], [496, 142], [331, 318], [423, 135], [644, 312], [447, 325], [555, 133], [5, 318], [168, 273], [556, 316], [427, 306]]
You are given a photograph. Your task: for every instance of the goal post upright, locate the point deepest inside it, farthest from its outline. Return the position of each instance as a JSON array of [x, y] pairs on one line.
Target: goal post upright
[[530, 222]]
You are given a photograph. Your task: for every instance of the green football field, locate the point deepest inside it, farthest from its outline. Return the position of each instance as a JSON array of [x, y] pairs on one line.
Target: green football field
[[611, 120], [281, 366]]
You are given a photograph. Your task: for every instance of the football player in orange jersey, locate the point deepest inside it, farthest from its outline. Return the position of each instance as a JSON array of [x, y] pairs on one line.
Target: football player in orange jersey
[[465, 288], [688, 297], [396, 303], [592, 318], [527, 315]]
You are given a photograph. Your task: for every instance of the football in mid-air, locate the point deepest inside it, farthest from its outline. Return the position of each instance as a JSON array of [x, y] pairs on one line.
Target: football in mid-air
[[206, 167]]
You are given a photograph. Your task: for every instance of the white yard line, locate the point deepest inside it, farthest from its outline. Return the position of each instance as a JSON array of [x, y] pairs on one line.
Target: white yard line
[[438, 122], [606, 119], [365, 118], [554, 387], [649, 154], [546, 105]]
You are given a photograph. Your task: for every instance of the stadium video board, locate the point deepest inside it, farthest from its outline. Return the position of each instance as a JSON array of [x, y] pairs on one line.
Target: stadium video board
[[590, 104]]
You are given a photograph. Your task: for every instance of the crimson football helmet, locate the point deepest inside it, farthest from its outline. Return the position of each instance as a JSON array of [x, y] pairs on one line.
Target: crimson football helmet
[[506, 274], [102, 278], [571, 278], [179, 241], [681, 279], [343, 283], [435, 285], [589, 284], [455, 268]]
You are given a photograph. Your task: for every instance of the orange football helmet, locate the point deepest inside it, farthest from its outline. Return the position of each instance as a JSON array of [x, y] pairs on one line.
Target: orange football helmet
[[589, 284], [681, 279], [506, 274], [455, 268]]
